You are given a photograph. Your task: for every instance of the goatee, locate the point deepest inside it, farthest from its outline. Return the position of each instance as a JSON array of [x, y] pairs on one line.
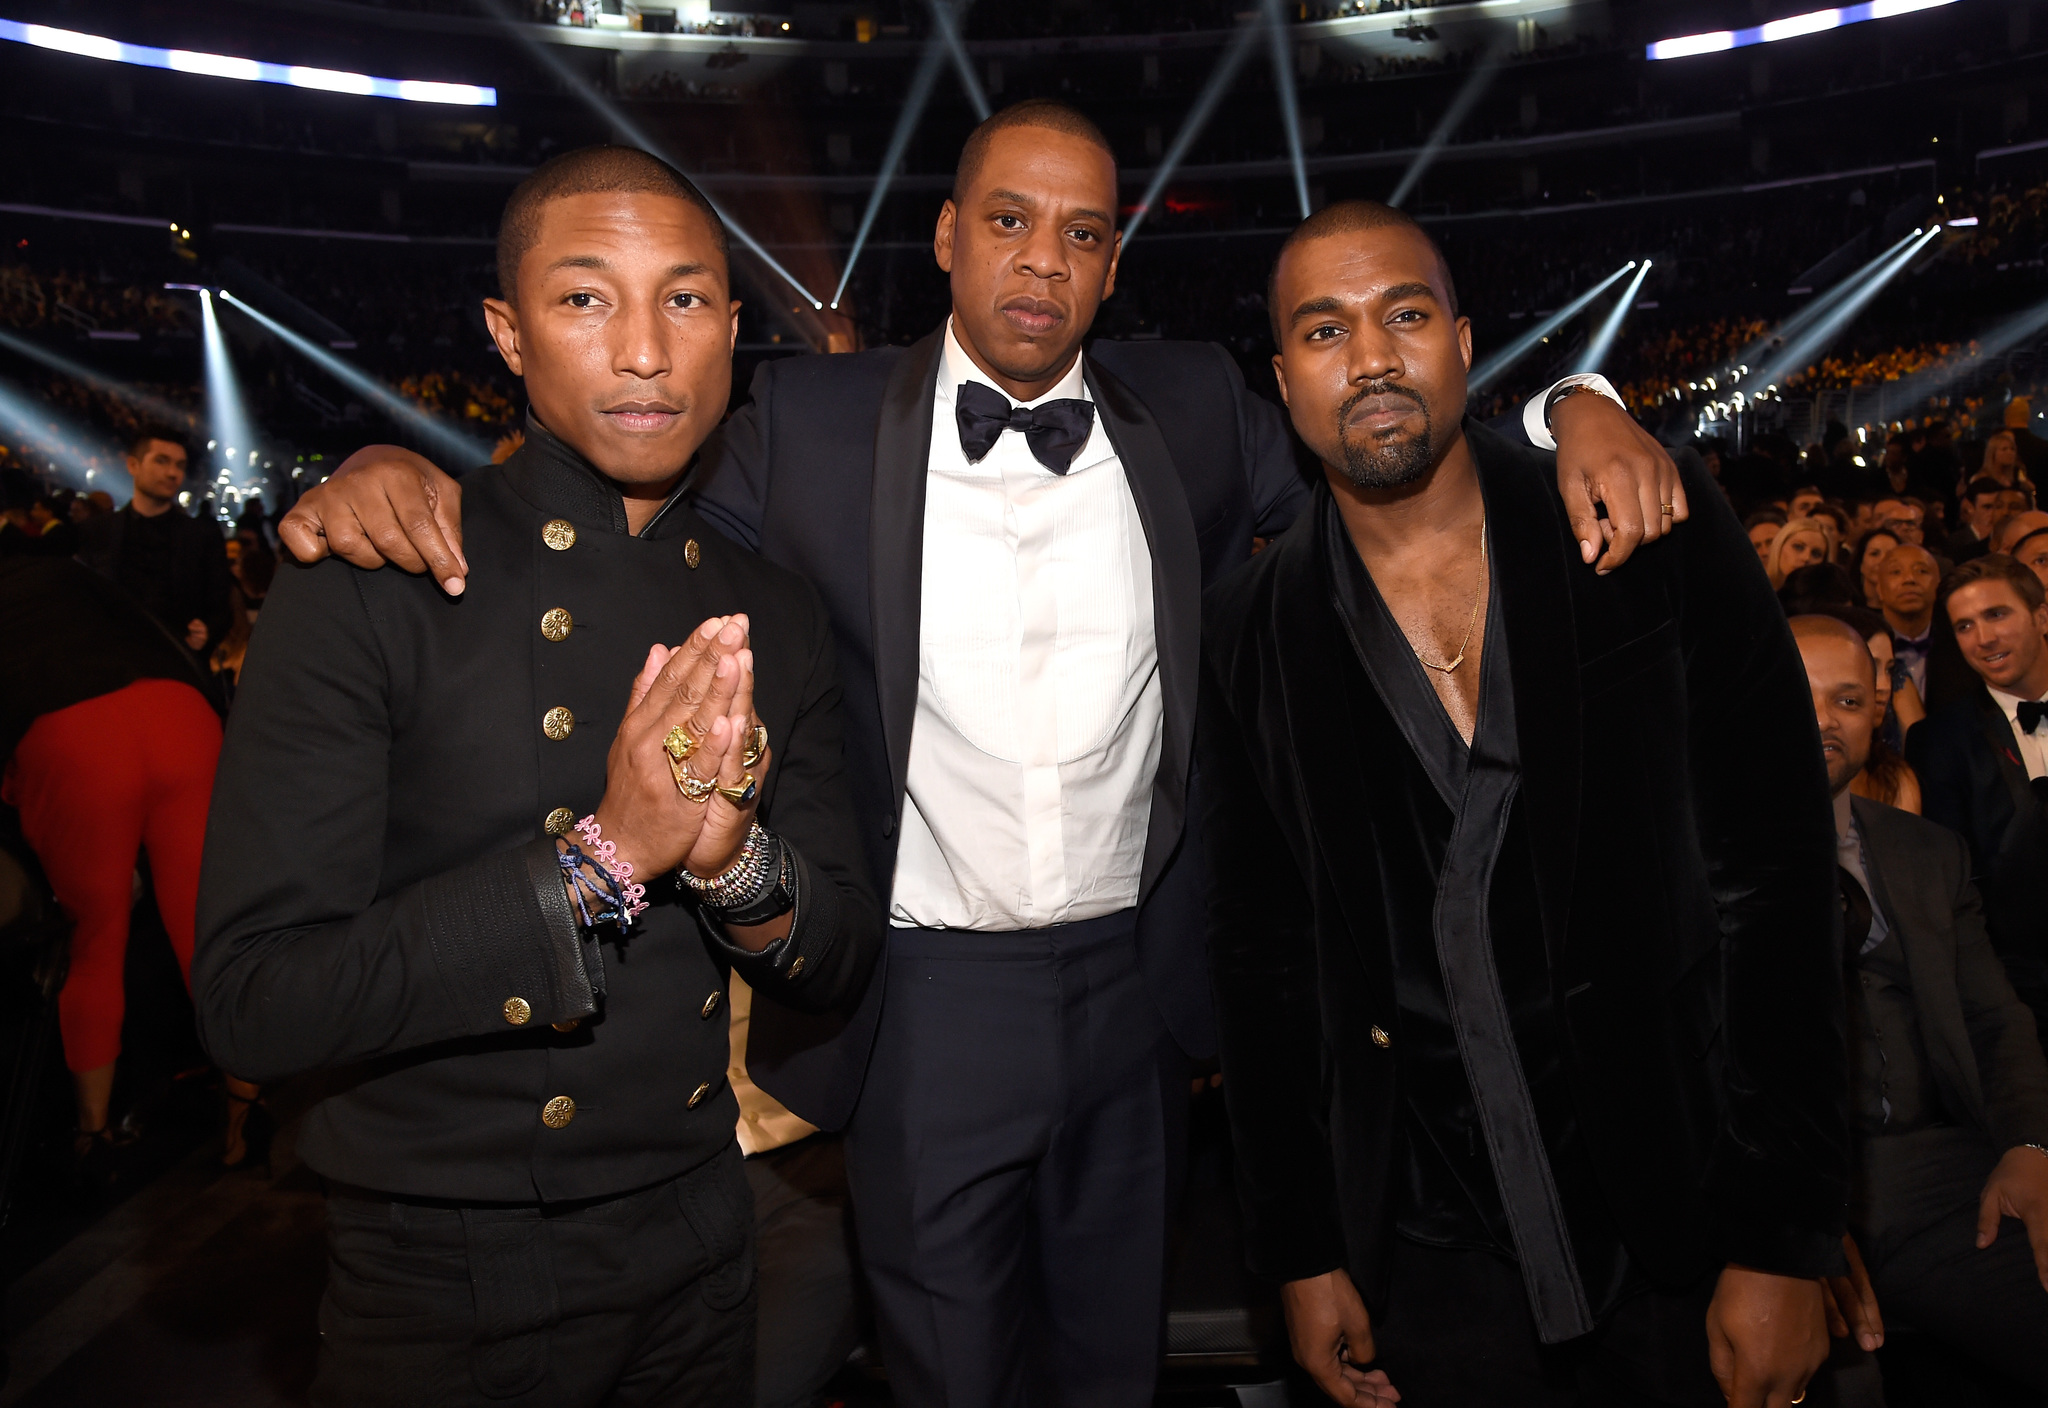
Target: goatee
[[1385, 464]]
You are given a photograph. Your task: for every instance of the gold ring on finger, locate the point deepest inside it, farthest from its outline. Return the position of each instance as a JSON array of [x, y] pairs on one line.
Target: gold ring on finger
[[756, 746], [1665, 509], [744, 793], [693, 787], [679, 745], [1801, 1398]]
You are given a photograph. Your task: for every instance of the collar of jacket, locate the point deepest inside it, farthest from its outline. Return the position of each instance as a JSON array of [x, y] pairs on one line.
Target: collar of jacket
[[555, 478]]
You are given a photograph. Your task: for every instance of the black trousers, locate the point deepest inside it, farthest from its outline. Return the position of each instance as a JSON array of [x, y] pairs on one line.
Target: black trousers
[[1916, 1222], [1456, 1332], [809, 1321], [636, 1301], [1010, 1165]]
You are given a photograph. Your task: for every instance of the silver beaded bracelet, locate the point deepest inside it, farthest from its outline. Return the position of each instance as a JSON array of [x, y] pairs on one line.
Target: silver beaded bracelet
[[756, 870]]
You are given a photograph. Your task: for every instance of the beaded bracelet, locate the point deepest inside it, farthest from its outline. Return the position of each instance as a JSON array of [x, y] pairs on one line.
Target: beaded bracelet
[[756, 870], [613, 876]]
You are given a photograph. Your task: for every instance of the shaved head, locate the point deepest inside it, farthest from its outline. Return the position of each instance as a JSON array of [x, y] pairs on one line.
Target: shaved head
[[1816, 628], [1349, 217], [588, 171], [1046, 113]]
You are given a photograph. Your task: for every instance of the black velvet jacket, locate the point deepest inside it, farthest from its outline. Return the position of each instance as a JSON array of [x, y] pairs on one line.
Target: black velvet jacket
[[379, 879], [1678, 820]]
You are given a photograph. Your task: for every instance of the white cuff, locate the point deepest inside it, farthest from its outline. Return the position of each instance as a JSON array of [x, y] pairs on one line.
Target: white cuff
[[1532, 413]]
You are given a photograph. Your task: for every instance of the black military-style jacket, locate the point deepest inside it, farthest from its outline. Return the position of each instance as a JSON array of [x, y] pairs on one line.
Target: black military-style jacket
[[380, 903]]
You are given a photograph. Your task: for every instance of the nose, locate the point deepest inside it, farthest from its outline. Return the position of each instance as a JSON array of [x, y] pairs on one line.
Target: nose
[[640, 343], [1044, 253]]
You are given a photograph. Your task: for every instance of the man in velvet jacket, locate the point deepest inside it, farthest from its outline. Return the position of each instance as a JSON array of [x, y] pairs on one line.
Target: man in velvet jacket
[[1524, 924], [1013, 1088]]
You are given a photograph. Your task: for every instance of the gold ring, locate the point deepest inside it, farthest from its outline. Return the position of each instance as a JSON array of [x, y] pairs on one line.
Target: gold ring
[[1666, 509], [693, 787], [756, 746], [679, 745], [1801, 1398], [744, 793]]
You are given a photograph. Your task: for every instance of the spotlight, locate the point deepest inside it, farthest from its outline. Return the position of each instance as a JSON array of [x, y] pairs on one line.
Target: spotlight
[[906, 123], [155, 407], [633, 132], [1792, 358], [1461, 106], [947, 23], [447, 441], [1290, 107], [226, 414], [1220, 77], [43, 433], [1603, 340], [1488, 371]]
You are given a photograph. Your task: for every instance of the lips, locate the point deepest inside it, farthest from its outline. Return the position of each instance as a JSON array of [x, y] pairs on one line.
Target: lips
[[1034, 317], [1382, 411], [642, 417]]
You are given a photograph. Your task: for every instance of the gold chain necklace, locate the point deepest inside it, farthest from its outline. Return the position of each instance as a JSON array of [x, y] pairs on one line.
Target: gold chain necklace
[[1466, 643]]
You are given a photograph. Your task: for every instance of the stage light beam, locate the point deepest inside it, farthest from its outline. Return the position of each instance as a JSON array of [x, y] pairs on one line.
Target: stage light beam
[[40, 430], [1603, 340], [947, 21], [1220, 78], [1447, 125], [1820, 307], [1290, 107], [457, 448], [544, 55], [233, 446], [1489, 371], [1792, 359], [154, 407], [914, 102]]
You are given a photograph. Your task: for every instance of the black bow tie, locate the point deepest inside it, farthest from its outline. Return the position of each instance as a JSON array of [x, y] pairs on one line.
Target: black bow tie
[[2030, 715], [1055, 430]]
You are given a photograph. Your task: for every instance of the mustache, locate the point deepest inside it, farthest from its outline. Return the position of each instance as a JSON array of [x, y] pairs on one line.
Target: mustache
[[1379, 388]]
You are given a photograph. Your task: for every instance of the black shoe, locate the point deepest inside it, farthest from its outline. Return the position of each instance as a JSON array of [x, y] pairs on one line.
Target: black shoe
[[258, 1130]]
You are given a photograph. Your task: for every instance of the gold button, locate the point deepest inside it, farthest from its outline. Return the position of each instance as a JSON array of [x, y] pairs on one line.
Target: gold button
[[796, 969], [1381, 1039], [557, 723], [517, 1012], [559, 821], [697, 1095], [692, 554], [558, 1112], [559, 534], [569, 1026], [557, 624], [711, 1004]]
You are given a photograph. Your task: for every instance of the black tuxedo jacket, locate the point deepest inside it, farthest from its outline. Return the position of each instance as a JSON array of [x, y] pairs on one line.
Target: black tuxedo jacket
[[1683, 846], [824, 472], [1980, 1037], [1972, 781]]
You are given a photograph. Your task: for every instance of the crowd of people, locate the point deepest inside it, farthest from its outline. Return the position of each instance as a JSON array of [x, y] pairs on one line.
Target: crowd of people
[[1650, 1013]]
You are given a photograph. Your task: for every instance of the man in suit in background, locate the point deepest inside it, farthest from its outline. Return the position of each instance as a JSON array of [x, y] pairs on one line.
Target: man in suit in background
[[1983, 760], [174, 564], [1011, 538], [1523, 915], [1948, 1090]]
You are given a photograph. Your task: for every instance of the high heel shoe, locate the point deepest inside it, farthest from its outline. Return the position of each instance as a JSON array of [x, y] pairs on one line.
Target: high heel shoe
[[258, 1130]]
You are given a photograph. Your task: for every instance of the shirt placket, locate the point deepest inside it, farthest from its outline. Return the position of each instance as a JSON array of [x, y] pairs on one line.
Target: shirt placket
[[1032, 521]]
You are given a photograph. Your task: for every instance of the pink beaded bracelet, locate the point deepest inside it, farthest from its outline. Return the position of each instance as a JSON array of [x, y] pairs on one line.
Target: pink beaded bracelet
[[606, 854]]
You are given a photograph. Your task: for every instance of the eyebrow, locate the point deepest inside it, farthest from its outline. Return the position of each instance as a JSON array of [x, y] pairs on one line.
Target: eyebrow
[[598, 261], [1408, 290]]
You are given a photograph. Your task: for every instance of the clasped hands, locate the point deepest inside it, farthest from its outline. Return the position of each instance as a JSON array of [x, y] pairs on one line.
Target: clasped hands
[[692, 811]]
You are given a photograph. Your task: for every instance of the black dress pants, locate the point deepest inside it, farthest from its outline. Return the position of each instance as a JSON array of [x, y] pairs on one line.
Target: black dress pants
[[641, 1300], [1456, 1332], [1009, 1162], [1917, 1226], [809, 1318]]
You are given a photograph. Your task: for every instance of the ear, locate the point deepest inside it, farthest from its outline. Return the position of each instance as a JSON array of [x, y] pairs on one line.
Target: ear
[[1465, 341], [1280, 377], [735, 342], [942, 237], [503, 321], [1116, 253]]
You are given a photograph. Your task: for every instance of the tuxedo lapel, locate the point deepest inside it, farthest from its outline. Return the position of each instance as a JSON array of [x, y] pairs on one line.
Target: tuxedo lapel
[[1324, 687], [1176, 600], [903, 443], [1534, 590], [2012, 773]]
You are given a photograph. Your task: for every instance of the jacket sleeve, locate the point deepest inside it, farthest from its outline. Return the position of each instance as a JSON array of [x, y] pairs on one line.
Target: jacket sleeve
[[824, 963], [1262, 958], [304, 961], [2002, 1034], [1278, 488], [730, 486], [1780, 1175]]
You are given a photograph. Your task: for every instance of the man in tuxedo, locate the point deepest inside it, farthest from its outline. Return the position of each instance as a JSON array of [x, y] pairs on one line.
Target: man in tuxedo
[[1524, 922], [1012, 538], [1948, 1088], [1983, 759]]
